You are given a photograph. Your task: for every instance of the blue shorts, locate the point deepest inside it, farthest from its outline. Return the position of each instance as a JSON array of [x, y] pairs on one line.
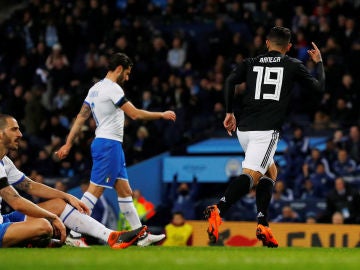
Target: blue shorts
[[108, 162], [8, 220]]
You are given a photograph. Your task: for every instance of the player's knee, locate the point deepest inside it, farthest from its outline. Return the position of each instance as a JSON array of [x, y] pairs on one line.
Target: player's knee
[[44, 228], [59, 205], [123, 188], [272, 172], [256, 175]]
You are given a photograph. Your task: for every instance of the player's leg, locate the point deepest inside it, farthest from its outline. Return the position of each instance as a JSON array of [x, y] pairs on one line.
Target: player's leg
[[267, 141], [264, 190], [126, 203], [127, 207], [37, 230], [85, 224], [236, 189], [101, 152]]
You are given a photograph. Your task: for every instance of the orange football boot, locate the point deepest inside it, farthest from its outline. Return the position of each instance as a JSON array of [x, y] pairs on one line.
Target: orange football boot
[[124, 239], [211, 213], [264, 234]]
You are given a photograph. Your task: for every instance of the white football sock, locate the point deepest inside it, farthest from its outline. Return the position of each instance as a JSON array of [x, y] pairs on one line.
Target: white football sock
[[83, 223], [127, 207], [89, 200]]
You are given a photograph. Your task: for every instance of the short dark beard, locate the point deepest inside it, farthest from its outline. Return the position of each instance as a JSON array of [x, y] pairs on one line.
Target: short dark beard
[[120, 79]]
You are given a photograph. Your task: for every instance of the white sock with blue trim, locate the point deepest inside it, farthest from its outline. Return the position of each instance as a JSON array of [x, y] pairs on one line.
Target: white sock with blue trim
[[89, 200], [82, 223], [127, 207]]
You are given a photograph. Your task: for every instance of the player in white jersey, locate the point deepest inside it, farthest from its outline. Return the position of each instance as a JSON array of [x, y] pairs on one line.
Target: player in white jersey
[[107, 103], [35, 225]]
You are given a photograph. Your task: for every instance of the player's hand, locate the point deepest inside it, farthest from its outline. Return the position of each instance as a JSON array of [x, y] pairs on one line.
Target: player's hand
[[169, 115], [63, 152], [59, 229], [230, 123], [315, 53], [78, 204]]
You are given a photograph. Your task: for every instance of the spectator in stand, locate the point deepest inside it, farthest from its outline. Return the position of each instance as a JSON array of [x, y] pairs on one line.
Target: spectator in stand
[[149, 206], [276, 205], [81, 165], [43, 164], [344, 199], [341, 115], [352, 144], [56, 54], [298, 148], [66, 170], [16, 100], [344, 166], [22, 73], [281, 191], [339, 139], [310, 218], [176, 56], [337, 218], [323, 181], [183, 197], [330, 151], [309, 191], [309, 167], [287, 215], [178, 232], [311, 162]]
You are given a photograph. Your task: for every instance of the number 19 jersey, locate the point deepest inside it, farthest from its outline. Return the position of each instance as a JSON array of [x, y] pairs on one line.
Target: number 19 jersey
[[269, 82]]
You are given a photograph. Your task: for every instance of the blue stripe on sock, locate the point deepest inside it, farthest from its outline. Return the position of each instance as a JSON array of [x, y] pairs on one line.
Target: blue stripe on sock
[[89, 200], [68, 214]]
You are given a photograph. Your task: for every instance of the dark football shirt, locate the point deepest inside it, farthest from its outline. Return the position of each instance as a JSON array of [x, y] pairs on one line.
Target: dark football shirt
[[269, 82]]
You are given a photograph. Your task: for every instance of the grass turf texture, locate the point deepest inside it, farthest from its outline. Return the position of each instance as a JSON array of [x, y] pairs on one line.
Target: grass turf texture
[[173, 258]]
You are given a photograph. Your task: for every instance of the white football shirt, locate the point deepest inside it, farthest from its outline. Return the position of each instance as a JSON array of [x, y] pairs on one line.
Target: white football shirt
[[14, 176], [104, 98]]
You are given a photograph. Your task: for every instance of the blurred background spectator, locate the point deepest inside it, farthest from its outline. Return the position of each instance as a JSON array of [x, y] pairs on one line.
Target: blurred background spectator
[[178, 232]]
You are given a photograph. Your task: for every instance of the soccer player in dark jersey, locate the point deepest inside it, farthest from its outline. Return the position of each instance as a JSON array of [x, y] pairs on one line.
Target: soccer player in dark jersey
[[269, 82]]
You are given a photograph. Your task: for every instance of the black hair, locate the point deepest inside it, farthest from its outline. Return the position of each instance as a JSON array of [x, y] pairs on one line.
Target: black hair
[[119, 59], [279, 35], [3, 122], [178, 213]]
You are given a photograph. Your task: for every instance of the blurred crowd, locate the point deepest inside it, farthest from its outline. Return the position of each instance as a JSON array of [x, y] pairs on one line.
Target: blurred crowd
[[51, 52]]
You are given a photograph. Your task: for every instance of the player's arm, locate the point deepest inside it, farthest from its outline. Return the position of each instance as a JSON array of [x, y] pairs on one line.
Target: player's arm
[[82, 116], [138, 114], [305, 77], [237, 76], [18, 203], [43, 191]]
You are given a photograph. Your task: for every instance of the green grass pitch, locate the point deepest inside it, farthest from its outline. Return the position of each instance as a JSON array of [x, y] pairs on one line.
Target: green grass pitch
[[173, 258]]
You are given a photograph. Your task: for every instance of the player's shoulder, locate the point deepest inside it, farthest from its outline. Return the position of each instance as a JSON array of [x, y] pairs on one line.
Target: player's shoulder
[[292, 59], [7, 162], [105, 86]]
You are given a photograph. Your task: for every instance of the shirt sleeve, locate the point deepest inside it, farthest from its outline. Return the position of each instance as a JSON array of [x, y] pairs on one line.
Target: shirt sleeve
[[117, 95], [13, 175], [308, 81], [237, 76]]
